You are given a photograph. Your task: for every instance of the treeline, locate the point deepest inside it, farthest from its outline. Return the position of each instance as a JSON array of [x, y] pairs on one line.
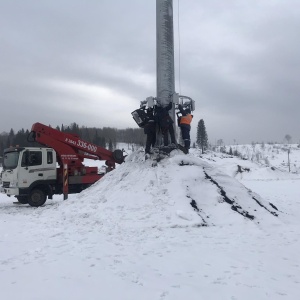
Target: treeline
[[106, 137]]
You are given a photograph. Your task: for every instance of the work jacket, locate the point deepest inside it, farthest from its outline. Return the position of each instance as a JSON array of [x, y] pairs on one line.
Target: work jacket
[[162, 116], [186, 119]]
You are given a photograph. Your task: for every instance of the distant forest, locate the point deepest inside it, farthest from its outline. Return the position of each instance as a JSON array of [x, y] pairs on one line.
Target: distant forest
[[106, 137]]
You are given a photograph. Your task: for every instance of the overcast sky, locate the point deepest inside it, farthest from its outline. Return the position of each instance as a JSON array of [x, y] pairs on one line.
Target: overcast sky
[[93, 61]]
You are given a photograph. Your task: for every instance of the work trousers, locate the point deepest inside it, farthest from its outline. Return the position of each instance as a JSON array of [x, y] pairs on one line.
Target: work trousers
[[150, 131], [185, 132], [166, 132]]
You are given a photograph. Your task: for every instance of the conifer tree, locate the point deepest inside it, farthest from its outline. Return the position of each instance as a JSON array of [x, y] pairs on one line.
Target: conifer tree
[[202, 140]]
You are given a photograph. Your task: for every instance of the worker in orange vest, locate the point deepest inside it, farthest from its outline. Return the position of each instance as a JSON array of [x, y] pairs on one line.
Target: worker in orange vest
[[184, 122]]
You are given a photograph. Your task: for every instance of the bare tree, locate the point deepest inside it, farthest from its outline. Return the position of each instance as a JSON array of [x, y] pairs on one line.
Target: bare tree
[[220, 142], [288, 138]]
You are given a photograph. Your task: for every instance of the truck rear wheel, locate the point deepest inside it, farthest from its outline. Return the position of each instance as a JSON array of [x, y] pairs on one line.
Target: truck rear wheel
[[37, 198], [22, 199]]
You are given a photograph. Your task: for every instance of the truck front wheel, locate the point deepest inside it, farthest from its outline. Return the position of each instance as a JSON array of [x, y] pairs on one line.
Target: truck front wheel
[[37, 198]]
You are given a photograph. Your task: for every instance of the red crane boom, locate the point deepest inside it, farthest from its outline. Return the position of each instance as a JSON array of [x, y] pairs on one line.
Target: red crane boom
[[71, 151]]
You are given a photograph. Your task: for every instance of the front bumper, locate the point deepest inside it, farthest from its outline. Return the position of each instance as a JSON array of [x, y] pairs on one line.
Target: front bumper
[[10, 191]]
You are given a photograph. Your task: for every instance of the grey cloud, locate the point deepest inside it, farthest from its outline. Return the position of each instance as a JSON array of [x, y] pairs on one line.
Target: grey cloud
[[239, 61]]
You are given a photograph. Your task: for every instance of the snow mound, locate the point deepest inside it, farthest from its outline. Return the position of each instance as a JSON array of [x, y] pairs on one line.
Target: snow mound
[[180, 191]]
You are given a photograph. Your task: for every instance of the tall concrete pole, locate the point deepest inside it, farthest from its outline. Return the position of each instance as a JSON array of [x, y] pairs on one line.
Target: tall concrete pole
[[165, 53]]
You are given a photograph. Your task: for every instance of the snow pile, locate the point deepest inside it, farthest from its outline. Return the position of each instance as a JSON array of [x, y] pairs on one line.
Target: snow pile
[[179, 191]]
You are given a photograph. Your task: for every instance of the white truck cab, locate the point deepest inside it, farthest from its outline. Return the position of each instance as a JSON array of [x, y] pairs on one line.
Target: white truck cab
[[27, 173]]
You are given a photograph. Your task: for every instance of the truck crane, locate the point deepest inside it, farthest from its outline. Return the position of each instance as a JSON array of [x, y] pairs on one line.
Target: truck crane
[[32, 174]]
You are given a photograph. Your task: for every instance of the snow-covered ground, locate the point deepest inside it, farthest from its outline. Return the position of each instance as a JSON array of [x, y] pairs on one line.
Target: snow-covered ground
[[195, 226]]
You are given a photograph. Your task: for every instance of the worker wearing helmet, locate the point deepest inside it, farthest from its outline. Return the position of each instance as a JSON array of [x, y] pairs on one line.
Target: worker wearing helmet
[[184, 122]]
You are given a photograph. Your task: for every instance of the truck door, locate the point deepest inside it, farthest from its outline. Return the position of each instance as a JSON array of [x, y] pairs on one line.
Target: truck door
[[31, 163], [36, 165]]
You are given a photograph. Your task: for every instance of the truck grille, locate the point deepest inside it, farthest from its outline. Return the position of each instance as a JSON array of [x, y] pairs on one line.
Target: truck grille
[[5, 184]]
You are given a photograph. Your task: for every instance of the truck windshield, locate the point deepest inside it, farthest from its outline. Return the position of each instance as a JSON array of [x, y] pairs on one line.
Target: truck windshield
[[10, 160]]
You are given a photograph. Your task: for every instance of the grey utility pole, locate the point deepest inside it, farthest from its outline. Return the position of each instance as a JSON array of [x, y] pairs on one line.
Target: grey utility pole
[[165, 78]]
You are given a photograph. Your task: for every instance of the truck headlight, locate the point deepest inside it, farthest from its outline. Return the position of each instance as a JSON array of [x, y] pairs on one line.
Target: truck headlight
[[13, 184]]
